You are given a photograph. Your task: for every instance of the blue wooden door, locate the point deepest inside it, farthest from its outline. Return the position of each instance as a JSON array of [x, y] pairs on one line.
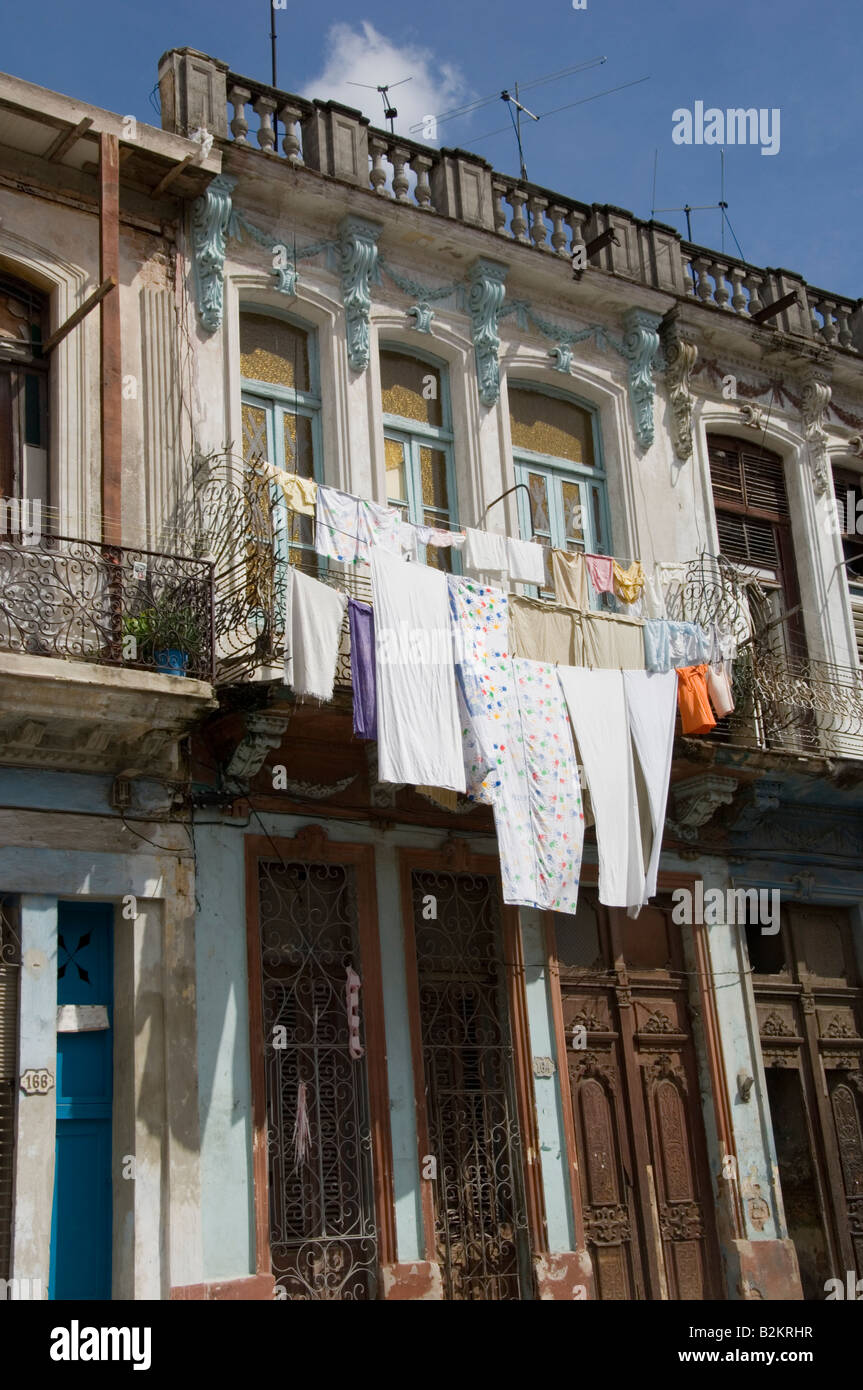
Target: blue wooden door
[[81, 1225]]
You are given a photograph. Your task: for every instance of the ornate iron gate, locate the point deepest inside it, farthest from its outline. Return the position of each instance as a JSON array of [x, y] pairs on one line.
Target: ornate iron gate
[[479, 1207], [324, 1242]]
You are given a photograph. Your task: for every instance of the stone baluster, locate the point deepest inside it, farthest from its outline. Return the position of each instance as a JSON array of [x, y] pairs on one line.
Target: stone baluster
[[558, 234], [578, 245], [517, 199], [720, 294], [538, 227], [378, 173], [688, 276], [290, 118], [238, 96], [814, 321], [829, 335], [264, 108], [738, 298], [843, 326], [401, 182], [703, 287], [498, 191], [754, 283], [421, 164]]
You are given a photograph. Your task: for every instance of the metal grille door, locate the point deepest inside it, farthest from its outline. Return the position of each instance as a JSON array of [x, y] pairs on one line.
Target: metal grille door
[[322, 1217], [10, 971], [480, 1221]]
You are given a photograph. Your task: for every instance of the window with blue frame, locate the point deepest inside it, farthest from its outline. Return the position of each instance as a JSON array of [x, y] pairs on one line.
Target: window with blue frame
[[418, 445], [558, 457], [281, 403]]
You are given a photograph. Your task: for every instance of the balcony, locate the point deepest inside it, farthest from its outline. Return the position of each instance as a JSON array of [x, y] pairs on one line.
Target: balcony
[[108, 654]]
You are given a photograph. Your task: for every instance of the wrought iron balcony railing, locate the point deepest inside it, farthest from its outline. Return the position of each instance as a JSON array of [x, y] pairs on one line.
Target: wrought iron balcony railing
[[84, 601]]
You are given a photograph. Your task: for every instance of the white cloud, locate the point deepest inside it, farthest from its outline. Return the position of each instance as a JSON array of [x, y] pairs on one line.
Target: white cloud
[[364, 55]]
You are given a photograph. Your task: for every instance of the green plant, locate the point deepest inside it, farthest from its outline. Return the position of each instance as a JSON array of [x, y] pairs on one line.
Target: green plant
[[168, 623]]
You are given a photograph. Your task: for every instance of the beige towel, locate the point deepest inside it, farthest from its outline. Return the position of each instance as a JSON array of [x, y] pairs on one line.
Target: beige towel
[[612, 642], [545, 632], [571, 585]]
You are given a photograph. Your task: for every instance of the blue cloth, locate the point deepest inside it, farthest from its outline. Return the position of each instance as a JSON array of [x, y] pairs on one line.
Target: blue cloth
[[668, 645]]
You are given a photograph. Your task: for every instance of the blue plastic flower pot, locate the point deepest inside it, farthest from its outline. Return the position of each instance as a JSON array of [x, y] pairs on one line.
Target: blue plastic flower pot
[[171, 662]]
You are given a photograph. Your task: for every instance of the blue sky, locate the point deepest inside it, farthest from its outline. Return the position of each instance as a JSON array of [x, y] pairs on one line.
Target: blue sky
[[799, 209]]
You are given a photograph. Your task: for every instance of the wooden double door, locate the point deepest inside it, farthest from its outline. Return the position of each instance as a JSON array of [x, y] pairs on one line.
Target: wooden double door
[[809, 1001], [646, 1193]]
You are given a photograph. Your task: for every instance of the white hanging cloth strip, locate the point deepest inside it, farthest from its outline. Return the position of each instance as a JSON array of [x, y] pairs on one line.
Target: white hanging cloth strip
[[336, 525], [651, 707], [485, 552], [413, 537], [419, 736], [526, 561], [597, 708], [313, 627]]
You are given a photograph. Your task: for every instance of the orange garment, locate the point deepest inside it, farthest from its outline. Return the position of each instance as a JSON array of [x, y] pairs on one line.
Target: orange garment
[[696, 716]]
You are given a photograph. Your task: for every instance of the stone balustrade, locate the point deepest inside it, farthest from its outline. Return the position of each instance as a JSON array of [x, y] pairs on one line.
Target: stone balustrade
[[335, 140]]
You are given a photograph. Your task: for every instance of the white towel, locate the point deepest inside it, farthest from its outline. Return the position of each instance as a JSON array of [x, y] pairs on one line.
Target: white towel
[[485, 552], [651, 706], [313, 628], [378, 525], [597, 707], [419, 734], [336, 525], [526, 562]]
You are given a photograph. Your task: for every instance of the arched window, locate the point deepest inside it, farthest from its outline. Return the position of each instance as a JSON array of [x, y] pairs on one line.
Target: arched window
[[418, 444], [23, 392], [556, 454], [281, 412]]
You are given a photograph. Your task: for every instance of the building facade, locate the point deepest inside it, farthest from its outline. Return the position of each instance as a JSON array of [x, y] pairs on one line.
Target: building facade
[[509, 1104]]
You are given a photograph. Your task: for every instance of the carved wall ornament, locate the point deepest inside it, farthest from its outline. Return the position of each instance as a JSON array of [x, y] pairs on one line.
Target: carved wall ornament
[[311, 841], [211, 215], [284, 252], [840, 1028], [759, 1211], [358, 254], [316, 791], [681, 1221], [607, 1225], [680, 358], [658, 1022], [640, 348], [696, 799], [485, 299], [816, 401], [752, 415], [775, 1026], [262, 732], [425, 295]]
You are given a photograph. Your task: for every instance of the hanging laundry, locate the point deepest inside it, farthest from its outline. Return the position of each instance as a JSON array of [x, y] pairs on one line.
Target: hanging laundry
[[538, 813], [413, 537], [612, 642], [526, 562], [668, 644], [696, 716], [653, 599], [313, 628], [719, 689], [378, 525], [353, 984], [597, 707], [569, 573], [361, 623], [336, 525], [546, 632], [485, 552], [628, 584], [419, 738], [479, 616], [601, 571], [651, 708], [299, 494]]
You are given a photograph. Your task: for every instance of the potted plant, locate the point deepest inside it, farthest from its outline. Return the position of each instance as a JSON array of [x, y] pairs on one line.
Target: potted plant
[[167, 632]]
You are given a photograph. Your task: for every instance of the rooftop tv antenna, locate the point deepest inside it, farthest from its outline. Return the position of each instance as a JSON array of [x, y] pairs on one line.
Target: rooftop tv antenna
[[516, 109], [688, 209], [390, 111]]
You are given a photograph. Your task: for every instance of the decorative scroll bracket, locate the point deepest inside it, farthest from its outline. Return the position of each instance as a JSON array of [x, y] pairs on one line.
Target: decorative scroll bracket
[[816, 401], [640, 348], [680, 358], [358, 253], [485, 297], [211, 214]]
